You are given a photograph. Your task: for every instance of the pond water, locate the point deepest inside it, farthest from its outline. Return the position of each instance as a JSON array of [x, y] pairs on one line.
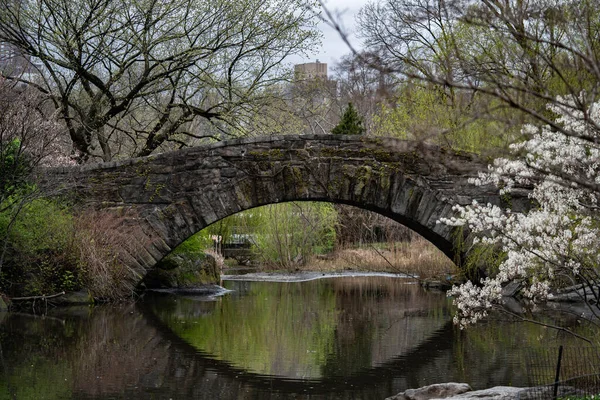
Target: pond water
[[342, 338]]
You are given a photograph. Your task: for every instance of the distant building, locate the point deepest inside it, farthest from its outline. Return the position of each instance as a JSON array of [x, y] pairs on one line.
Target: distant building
[[313, 95], [310, 71], [311, 82]]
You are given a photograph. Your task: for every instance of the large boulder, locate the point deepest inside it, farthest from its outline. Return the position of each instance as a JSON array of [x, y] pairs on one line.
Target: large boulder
[[436, 391], [184, 271], [462, 391], [495, 393]]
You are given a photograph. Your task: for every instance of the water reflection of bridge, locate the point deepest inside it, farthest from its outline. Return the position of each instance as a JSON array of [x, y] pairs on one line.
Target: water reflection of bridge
[[403, 371], [128, 353], [316, 329], [414, 346]]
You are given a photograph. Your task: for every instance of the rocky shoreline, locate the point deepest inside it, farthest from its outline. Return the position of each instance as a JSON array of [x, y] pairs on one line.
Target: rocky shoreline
[[462, 391]]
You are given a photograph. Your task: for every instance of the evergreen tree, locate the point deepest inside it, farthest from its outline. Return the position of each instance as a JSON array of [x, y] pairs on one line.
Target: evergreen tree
[[350, 124]]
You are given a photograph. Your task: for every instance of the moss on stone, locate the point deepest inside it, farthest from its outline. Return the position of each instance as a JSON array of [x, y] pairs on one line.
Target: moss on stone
[[332, 152], [183, 270], [295, 178], [268, 154], [157, 189], [377, 154]]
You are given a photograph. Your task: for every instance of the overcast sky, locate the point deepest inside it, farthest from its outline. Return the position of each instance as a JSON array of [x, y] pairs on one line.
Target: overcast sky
[[333, 47]]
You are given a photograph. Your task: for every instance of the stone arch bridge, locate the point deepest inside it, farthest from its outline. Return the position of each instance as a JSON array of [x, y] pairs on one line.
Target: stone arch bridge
[[170, 196]]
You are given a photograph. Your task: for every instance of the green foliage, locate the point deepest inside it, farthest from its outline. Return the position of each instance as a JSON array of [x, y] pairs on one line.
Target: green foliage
[[46, 249], [195, 244], [14, 168], [290, 233], [39, 257], [282, 235], [424, 112], [42, 225], [350, 124], [243, 222]]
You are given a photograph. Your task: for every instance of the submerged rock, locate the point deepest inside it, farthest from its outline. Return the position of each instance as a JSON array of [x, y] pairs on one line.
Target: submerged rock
[[437, 285], [75, 298], [515, 393], [576, 294], [495, 393]]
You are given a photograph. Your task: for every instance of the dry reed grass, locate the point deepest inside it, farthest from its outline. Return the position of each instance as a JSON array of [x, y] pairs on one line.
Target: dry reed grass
[[417, 257], [104, 243], [219, 259]]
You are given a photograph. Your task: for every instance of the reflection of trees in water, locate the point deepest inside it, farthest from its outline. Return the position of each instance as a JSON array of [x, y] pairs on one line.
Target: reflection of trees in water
[[127, 352], [275, 329], [29, 345], [118, 351], [379, 319], [310, 330]]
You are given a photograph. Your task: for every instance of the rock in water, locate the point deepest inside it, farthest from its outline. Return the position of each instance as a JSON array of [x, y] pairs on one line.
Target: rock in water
[[183, 271], [436, 391], [462, 391]]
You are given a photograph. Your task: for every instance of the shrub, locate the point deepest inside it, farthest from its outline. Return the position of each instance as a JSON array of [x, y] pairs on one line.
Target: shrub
[[37, 242], [290, 233], [49, 250]]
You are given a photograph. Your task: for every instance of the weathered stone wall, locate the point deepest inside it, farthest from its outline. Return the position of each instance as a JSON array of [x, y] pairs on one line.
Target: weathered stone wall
[[174, 195]]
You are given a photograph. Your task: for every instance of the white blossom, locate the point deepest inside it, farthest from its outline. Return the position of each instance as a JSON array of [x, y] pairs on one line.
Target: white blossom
[[560, 236]]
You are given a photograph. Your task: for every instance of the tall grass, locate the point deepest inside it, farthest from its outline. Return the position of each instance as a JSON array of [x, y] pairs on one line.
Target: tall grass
[[103, 244]]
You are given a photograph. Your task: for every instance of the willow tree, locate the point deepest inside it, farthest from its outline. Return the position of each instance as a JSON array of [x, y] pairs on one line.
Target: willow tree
[[132, 77]]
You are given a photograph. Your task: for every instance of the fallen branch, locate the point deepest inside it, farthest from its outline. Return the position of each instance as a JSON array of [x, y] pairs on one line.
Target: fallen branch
[[43, 297]]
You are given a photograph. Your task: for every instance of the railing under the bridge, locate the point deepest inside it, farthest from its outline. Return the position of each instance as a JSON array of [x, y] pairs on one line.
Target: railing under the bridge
[[237, 246]]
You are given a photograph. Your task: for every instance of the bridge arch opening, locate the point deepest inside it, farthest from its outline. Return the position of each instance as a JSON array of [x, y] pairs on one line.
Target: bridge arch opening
[[307, 235]]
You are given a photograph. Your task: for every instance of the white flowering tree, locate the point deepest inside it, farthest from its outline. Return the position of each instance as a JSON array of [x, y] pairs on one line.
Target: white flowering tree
[[558, 240]]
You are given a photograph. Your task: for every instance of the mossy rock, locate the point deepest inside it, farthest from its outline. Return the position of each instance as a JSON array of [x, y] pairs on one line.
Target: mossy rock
[[168, 263], [183, 271]]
